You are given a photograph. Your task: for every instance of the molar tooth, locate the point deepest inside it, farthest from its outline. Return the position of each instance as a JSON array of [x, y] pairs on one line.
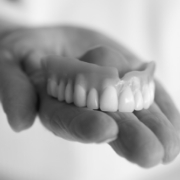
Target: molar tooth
[[79, 96], [52, 87], [152, 91], [92, 99], [109, 99], [126, 101], [61, 90], [146, 96], [69, 92], [138, 100]]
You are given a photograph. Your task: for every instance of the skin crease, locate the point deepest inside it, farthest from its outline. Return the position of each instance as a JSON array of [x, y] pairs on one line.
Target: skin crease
[[146, 138]]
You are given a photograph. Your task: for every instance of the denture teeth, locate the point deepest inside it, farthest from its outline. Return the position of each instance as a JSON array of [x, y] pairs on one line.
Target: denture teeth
[[152, 91], [135, 85], [61, 90], [126, 101], [146, 96], [109, 99], [52, 87], [69, 92], [79, 96], [138, 100], [92, 99]]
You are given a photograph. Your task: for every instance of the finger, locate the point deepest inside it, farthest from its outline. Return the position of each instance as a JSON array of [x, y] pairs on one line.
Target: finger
[[73, 123], [17, 95], [167, 106], [136, 142], [105, 56], [84, 39], [155, 120]]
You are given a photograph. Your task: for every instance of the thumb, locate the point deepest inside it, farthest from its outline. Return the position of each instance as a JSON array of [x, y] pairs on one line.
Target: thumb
[[16, 93]]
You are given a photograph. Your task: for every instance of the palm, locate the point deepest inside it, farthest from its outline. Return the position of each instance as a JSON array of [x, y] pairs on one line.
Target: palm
[[146, 137]]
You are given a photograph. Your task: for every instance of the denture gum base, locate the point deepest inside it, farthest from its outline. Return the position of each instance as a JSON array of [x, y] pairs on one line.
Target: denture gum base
[[95, 87]]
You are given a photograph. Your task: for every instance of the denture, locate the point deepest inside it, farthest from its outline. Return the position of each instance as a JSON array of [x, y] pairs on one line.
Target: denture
[[99, 87]]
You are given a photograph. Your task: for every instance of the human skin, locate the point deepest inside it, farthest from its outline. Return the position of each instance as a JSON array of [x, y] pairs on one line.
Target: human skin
[[146, 138]]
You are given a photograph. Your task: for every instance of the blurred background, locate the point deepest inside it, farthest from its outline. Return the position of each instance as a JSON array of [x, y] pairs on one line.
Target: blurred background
[[151, 28]]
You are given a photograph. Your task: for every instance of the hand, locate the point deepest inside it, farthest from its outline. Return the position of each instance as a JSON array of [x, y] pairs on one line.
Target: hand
[[146, 137]]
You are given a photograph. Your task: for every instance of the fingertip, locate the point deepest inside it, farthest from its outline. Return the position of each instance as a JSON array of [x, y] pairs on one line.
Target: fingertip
[[19, 102], [136, 142], [172, 149], [20, 110], [21, 122], [155, 120], [142, 148], [94, 127], [151, 156]]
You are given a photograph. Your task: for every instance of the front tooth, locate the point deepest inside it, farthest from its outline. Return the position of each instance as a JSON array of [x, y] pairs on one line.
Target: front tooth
[[146, 96], [92, 99], [79, 96], [126, 101], [69, 92], [61, 91], [109, 100], [152, 91], [52, 87], [138, 100]]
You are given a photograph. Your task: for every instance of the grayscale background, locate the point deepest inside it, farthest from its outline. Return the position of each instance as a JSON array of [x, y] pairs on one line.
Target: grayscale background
[[151, 28]]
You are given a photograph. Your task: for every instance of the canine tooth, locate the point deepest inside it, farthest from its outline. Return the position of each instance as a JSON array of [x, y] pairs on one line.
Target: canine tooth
[[138, 100], [109, 99], [146, 96], [126, 101], [61, 91], [92, 99], [69, 92], [79, 96]]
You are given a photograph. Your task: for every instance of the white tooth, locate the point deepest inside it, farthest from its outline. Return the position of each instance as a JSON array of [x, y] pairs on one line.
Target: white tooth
[[61, 91], [126, 101], [92, 99], [79, 96], [52, 87], [69, 92], [138, 100], [152, 91], [146, 96], [109, 100], [135, 85]]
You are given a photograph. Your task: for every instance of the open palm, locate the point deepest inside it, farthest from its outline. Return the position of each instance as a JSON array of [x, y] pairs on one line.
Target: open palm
[[145, 137]]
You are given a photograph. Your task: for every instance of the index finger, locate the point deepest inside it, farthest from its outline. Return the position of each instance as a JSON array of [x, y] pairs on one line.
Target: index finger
[[17, 94]]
